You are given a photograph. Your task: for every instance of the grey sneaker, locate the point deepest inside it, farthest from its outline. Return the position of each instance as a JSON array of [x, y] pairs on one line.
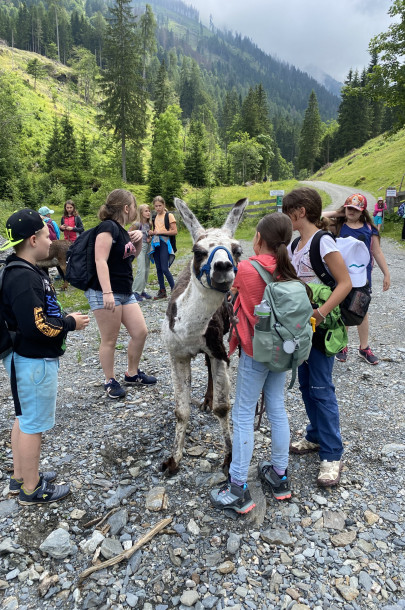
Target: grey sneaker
[[232, 496], [15, 485], [329, 473], [368, 355], [303, 446], [45, 493], [280, 486]]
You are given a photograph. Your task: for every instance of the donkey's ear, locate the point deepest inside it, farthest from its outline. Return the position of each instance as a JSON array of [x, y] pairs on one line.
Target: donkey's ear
[[189, 219], [234, 216]]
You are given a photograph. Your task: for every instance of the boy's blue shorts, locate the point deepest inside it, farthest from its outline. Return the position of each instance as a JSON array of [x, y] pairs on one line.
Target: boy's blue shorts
[[37, 385], [378, 220]]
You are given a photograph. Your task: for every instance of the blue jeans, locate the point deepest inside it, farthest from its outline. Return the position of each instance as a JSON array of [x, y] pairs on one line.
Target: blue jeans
[[161, 256], [318, 394], [253, 377]]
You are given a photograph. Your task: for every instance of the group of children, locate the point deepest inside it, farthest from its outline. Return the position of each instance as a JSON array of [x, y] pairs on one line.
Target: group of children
[[30, 308]]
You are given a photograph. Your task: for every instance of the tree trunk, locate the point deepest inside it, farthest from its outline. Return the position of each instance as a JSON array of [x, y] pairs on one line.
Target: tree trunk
[[57, 32], [124, 157]]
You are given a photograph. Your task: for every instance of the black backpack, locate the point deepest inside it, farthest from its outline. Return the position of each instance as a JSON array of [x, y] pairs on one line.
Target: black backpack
[[355, 305], [80, 261], [167, 227]]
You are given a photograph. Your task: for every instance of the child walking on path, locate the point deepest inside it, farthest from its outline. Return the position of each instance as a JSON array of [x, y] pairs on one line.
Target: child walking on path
[[143, 260], [30, 308], [273, 233], [353, 219], [110, 294], [304, 207], [161, 249], [379, 209]]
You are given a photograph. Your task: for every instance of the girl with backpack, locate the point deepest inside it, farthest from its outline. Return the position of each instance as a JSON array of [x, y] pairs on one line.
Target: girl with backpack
[[353, 219], [71, 223], [304, 207], [161, 249], [110, 293], [143, 260], [273, 233]]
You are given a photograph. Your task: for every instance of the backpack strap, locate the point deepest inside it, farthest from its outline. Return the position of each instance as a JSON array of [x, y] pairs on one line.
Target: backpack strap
[[294, 244], [167, 222], [265, 275], [317, 263]]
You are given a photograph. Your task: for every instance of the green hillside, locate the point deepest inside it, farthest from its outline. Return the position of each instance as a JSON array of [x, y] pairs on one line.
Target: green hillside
[[373, 167]]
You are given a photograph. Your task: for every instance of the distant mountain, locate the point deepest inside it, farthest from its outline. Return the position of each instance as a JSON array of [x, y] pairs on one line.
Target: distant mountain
[[324, 79], [233, 60]]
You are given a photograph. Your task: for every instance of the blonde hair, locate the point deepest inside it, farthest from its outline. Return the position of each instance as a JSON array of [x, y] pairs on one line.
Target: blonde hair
[[159, 199], [141, 210], [113, 208]]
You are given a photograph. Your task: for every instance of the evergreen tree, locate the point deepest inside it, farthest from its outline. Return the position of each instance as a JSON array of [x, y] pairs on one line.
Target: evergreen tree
[[124, 104], [230, 121], [52, 154], [246, 157], [36, 69], [310, 137], [67, 144], [147, 28], [196, 160], [166, 162], [84, 152], [164, 95], [354, 116]]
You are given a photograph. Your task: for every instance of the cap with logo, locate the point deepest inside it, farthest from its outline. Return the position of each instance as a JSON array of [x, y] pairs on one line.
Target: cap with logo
[[44, 211], [20, 226], [357, 201]]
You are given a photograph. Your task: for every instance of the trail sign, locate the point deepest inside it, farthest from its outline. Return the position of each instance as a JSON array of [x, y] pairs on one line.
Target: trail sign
[[391, 192], [279, 193]]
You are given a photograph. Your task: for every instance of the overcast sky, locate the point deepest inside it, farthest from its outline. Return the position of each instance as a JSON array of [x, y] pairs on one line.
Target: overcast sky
[[330, 34]]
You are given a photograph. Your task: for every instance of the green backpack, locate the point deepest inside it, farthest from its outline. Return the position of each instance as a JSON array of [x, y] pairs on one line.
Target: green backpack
[[287, 341]]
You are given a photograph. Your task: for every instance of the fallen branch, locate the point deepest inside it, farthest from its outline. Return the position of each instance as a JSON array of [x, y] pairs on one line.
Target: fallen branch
[[127, 554], [100, 520]]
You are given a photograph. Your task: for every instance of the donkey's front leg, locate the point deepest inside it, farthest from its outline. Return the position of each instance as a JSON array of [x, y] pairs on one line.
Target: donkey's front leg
[[221, 405], [181, 377]]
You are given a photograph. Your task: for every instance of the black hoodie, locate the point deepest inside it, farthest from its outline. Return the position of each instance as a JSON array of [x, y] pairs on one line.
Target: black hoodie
[[30, 307]]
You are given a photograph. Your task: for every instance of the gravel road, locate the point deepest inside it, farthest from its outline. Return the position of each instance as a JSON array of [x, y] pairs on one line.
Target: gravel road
[[340, 193], [342, 548]]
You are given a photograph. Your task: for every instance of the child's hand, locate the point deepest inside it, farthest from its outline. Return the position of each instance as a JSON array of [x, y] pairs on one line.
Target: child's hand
[[81, 319], [386, 282], [135, 236]]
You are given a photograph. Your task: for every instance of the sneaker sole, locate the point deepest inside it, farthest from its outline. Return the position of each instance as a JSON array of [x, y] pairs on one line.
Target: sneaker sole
[[140, 384], [330, 483], [241, 511], [303, 451], [341, 359], [115, 397], [368, 361]]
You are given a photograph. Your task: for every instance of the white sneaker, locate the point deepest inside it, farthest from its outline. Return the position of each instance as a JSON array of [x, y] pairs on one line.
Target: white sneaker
[[303, 446]]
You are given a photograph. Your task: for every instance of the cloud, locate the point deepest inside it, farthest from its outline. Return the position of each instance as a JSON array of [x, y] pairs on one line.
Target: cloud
[[334, 36]]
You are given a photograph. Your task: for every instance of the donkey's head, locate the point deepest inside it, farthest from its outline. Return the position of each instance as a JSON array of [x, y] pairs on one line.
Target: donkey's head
[[216, 253]]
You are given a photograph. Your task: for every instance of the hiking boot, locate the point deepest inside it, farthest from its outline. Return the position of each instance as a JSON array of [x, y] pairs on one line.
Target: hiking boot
[[279, 485], [138, 297], [342, 356], [113, 389], [329, 473], [15, 485], [160, 295], [145, 295], [45, 493], [303, 446], [368, 355], [232, 496], [140, 379]]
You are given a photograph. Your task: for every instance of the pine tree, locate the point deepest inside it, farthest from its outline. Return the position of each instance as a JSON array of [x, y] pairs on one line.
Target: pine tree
[[52, 154], [163, 90], [67, 144], [196, 161], [166, 162], [354, 115], [124, 104], [310, 137], [147, 27], [36, 69], [84, 152]]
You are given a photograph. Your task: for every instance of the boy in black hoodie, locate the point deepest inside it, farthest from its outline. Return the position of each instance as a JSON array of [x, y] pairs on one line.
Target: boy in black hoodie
[[30, 308]]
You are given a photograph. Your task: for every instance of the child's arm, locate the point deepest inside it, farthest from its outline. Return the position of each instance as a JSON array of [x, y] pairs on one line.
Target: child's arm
[[333, 214], [381, 262]]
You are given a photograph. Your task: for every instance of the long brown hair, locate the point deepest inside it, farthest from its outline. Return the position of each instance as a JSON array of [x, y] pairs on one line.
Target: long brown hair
[[69, 202], [309, 199], [113, 208], [340, 220], [276, 231]]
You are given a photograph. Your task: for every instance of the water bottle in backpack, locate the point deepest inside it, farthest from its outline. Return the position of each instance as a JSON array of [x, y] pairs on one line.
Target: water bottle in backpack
[[262, 316]]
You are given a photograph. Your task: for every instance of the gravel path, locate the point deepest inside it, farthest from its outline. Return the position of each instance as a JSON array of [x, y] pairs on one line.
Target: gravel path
[[337, 549], [340, 193]]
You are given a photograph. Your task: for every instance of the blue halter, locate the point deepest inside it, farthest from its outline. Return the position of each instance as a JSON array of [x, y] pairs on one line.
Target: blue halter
[[207, 268]]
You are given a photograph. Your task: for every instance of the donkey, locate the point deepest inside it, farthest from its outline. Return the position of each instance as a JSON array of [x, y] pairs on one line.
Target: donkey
[[192, 323], [57, 258]]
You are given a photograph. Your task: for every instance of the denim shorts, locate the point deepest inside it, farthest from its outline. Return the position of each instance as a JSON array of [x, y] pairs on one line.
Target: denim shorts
[[37, 385], [95, 299]]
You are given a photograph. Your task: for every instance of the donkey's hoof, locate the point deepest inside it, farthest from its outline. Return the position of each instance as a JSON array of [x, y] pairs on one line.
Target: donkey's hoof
[[170, 468]]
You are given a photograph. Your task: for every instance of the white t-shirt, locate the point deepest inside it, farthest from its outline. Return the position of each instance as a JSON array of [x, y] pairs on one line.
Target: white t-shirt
[[301, 262]]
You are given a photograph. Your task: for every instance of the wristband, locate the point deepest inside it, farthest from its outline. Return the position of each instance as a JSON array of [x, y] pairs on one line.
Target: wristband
[[321, 314], [111, 292]]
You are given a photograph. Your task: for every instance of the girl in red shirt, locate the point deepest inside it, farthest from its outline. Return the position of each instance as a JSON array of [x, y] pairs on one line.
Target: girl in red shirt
[[71, 223], [273, 234]]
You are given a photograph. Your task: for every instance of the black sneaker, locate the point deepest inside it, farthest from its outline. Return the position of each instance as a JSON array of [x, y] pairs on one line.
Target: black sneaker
[[45, 493], [140, 379], [145, 295], [113, 389], [138, 297], [15, 485], [234, 497], [368, 355], [280, 486]]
